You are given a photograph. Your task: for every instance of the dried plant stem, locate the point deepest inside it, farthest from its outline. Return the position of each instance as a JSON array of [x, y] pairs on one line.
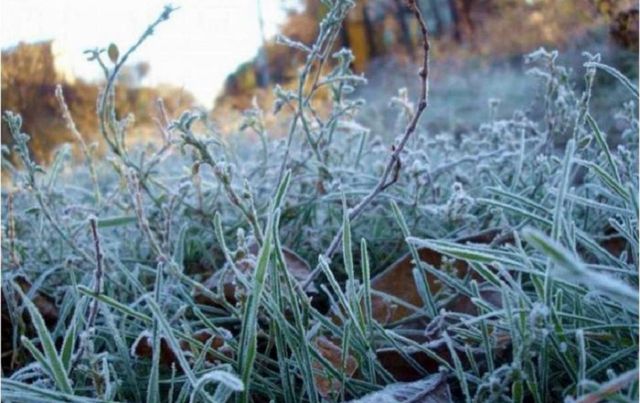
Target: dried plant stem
[[611, 387], [234, 198], [98, 272], [71, 125], [392, 169], [106, 107], [97, 289], [32, 168], [112, 129], [134, 185], [319, 51], [15, 258]]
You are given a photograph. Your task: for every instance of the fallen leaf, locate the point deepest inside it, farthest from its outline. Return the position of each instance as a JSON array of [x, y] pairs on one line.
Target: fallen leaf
[[615, 243], [224, 282], [45, 304], [432, 389], [11, 319], [397, 281], [325, 383], [143, 347], [401, 368], [297, 266]]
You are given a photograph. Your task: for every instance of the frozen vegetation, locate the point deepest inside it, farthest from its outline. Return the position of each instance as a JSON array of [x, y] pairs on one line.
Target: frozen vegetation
[[168, 273]]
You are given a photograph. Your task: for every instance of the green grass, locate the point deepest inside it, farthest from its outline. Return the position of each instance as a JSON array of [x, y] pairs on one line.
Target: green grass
[[559, 195]]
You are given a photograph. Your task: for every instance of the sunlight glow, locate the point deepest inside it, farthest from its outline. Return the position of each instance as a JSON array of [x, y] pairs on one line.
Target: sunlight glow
[[202, 43]]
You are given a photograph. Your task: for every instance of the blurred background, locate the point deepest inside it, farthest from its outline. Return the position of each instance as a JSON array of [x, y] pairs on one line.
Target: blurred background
[[222, 56]]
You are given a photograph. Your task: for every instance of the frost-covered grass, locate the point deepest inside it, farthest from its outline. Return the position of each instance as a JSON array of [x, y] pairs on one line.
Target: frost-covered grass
[[124, 246]]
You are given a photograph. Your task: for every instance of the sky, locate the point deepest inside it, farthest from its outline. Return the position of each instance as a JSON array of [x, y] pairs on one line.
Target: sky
[[197, 48]]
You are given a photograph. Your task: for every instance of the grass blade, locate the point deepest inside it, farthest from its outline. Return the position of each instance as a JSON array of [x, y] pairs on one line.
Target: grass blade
[[54, 361]]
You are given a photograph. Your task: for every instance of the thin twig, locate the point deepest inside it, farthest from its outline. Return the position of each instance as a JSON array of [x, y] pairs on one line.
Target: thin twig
[[97, 289], [112, 129], [106, 109], [134, 185], [97, 273], [319, 51], [392, 170]]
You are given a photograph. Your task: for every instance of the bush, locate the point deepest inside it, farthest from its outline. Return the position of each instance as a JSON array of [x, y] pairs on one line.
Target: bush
[[119, 282]]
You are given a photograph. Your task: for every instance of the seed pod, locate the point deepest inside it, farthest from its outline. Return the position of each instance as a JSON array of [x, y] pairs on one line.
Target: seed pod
[[113, 53]]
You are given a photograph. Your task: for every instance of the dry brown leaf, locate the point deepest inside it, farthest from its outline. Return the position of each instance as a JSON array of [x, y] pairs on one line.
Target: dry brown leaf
[[614, 243], [143, 347], [297, 266], [225, 280], [45, 304], [402, 370], [325, 383], [397, 281]]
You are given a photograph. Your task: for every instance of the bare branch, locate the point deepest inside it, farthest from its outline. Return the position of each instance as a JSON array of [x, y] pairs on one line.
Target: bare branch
[[391, 172]]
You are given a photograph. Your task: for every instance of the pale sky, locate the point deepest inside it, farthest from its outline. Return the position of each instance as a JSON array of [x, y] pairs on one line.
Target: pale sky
[[197, 48]]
